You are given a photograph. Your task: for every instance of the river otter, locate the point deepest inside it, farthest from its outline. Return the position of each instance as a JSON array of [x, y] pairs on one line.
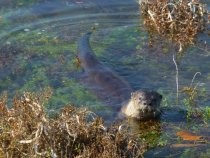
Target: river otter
[[141, 105]]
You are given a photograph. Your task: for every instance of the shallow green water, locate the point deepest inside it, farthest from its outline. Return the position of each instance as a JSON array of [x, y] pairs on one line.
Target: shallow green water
[[38, 48]]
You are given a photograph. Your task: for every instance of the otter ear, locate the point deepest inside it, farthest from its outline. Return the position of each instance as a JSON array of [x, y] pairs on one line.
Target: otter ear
[[131, 94]]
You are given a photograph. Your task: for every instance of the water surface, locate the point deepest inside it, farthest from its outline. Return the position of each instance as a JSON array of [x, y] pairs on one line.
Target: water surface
[[38, 48]]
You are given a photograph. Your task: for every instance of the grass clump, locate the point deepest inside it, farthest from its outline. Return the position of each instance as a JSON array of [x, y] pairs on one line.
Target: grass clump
[[206, 114], [190, 102], [178, 21], [26, 131], [194, 110]]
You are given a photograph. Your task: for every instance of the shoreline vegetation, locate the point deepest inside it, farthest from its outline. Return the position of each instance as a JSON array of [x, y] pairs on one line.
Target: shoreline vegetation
[[177, 21], [27, 131]]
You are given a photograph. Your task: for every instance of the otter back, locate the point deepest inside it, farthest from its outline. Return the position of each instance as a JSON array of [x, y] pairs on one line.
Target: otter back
[[105, 82]]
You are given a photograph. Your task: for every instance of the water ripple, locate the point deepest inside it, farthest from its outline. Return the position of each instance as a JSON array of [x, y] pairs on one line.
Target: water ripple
[[59, 15]]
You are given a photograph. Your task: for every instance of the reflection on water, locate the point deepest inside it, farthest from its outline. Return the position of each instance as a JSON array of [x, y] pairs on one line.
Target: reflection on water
[[38, 48]]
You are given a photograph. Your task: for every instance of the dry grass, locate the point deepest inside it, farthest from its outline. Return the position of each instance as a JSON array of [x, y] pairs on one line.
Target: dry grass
[[177, 20], [26, 131]]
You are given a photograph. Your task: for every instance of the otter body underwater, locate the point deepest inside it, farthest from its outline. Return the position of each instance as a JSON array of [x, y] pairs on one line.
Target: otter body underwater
[[141, 105]]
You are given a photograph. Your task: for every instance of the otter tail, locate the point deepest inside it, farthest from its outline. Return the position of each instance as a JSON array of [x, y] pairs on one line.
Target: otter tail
[[86, 56]]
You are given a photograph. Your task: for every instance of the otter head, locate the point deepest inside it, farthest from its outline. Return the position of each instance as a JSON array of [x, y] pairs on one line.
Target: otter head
[[143, 105]]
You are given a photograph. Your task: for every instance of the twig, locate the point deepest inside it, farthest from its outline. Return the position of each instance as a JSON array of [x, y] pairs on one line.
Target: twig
[[197, 73], [177, 79], [153, 19]]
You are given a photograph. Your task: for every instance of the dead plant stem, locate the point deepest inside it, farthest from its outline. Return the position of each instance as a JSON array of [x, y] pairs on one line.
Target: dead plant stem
[[177, 80]]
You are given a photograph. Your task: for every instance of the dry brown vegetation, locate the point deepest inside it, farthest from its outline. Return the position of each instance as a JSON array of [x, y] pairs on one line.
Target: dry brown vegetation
[[177, 20], [26, 131]]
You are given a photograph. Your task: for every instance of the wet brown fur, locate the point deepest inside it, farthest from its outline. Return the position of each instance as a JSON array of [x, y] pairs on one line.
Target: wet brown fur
[[140, 104]]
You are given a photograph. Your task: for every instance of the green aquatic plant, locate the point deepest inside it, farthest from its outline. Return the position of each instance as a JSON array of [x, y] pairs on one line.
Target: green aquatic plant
[[38, 77], [206, 114], [4, 22], [17, 3], [129, 37], [191, 100], [148, 132], [71, 91], [188, 153], [153, 140], [205, 154], [42, 43], [23, 2], [193, 93], [4, 82]]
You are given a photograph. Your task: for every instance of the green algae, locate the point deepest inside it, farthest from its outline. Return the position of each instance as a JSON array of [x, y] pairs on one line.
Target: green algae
[[18, 3], [129, 37], [5, 82], [43, 55], [206, 114], [23, 2], [36, 80], [125, 38], [42, 43], [152, 138], [71, 91], [78, 91]]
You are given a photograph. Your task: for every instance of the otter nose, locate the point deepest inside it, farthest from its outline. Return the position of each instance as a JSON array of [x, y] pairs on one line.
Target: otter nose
[[145, 103]]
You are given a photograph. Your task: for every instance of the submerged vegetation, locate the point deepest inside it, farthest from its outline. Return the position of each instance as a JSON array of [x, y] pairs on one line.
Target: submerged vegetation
[[190, 101]]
